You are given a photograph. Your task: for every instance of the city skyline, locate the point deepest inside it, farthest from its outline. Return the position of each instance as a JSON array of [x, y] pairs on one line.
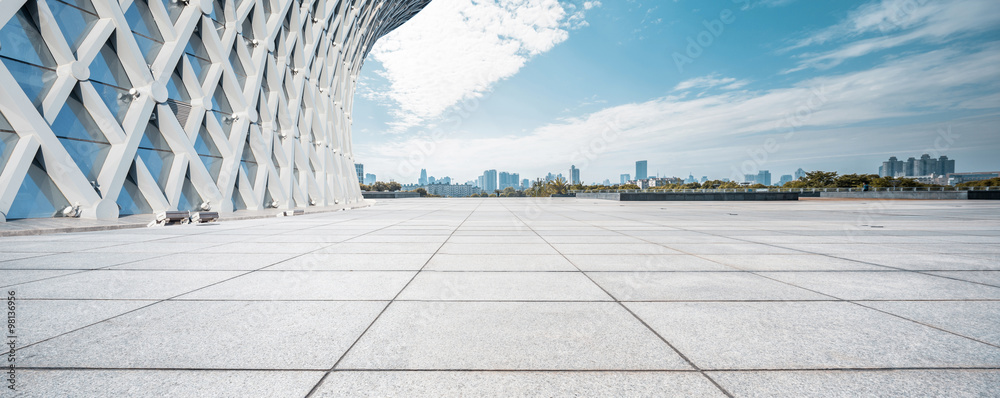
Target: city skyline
[[628, 97]]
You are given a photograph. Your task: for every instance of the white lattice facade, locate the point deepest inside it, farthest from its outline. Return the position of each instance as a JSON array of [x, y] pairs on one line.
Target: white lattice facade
[[139, 106]]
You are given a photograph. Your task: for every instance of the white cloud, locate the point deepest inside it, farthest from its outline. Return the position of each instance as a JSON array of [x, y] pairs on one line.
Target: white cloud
[[713, 129], [897, 22], [710, 81], [456, 50]]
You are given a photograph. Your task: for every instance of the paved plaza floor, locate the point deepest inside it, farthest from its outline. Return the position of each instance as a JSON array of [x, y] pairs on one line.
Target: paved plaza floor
[[519, 297]]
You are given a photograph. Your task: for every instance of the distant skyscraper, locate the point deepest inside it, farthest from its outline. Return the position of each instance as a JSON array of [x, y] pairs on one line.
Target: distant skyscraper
[[607, 182], [764, 177], [490, 180], [690, 179], [751, 178], [574, 174], [359, 168], [704, 178], [799, 173], [445, 180], [787, 178], [525, 184], [369, 179], [640, 170], [423, 177], [429, 180], [625, 178], [913, 167]]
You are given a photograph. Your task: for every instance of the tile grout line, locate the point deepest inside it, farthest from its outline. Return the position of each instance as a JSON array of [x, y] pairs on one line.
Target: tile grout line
[[629, 310], [322, 379]]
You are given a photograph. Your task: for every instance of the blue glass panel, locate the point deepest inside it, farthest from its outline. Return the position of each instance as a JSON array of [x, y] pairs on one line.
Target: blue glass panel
[[204, 145], [87, 155], [141, 20], [148, 48], [196, 47], [248, 162], [22, 40], [107, 69], [158, 163], [155, 153], [75, 122], [86, 5], [73, 22], [130, 200], [190, 199], [4, 124], [34, 80], [117, 100], [238, 203], [176, 90], [220, 102], [38, 196], [174, 9], [241, 73], [7, 142]]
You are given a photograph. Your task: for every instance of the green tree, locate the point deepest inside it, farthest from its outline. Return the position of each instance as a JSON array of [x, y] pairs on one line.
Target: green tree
[[992, 182], [557, 186], [421, 191], [380, 186], [393, 186]]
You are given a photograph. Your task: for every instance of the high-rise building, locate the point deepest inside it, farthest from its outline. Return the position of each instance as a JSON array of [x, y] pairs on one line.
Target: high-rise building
[[490, 181], [423, 177], [369, 179], [914, 167], [704, 178], [764, 177], [625, 178], [359, 168], [607, 182], [892, 168], [799, 174], [785, 178], [525, 184], [690, 179], [574, 174], [751, 178], [430, 180], [91, 98], [640, 170]]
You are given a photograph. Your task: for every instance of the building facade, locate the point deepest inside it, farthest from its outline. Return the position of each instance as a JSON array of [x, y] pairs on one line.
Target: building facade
[[112, 110], [360, 169], [640, 170], [574, 175]]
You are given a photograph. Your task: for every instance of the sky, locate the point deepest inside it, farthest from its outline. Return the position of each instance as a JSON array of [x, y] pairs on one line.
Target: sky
[[716, 88]]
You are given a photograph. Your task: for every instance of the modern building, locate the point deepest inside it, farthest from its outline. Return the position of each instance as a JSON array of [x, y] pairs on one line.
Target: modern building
[[640, 170], [505, 180], [913, 167], [799, 174], [764, 177], [116, 108], [607, 182], [423, 177], [360, 169], [369, 178], [574, 175], [958, 178], [525, 184], [489, 182], [785, 178], [625, 178]]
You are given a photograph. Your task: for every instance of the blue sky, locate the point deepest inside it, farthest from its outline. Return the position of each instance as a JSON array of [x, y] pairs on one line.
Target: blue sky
[[714, 88]]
